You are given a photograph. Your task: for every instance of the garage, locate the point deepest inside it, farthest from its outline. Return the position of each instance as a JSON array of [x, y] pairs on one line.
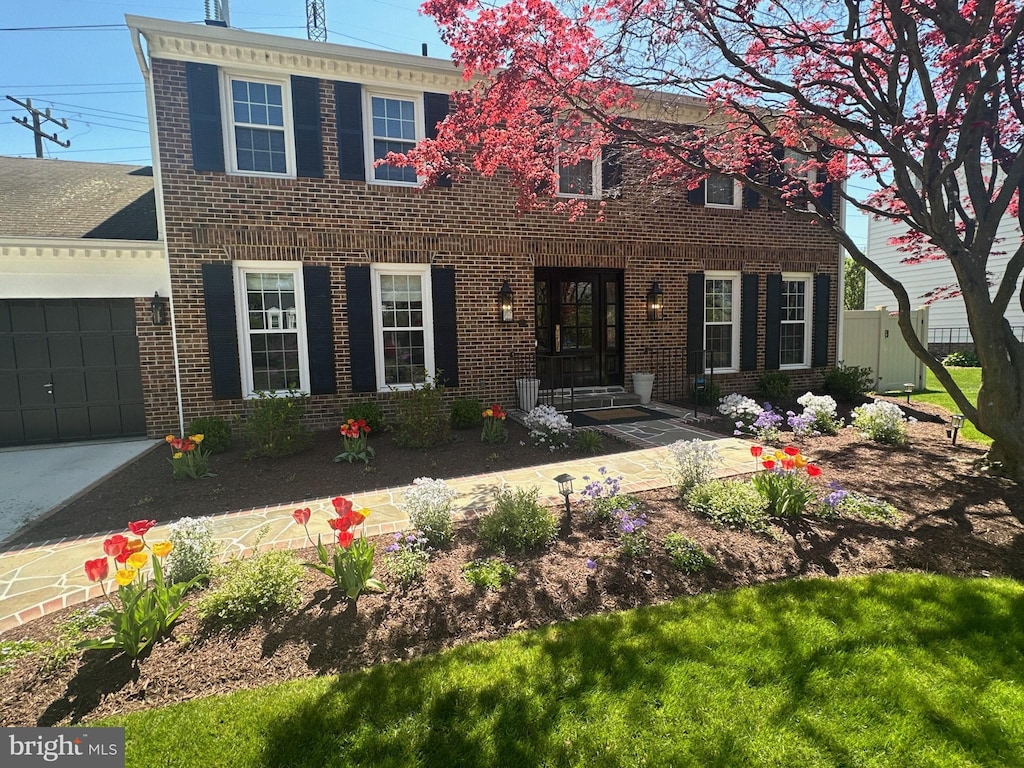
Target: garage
[[69, 370]]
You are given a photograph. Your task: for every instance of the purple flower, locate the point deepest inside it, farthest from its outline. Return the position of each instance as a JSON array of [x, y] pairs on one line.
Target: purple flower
[[590, 564]]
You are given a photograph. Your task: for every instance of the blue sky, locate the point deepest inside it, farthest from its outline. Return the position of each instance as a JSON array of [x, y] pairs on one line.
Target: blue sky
[[76, 57]]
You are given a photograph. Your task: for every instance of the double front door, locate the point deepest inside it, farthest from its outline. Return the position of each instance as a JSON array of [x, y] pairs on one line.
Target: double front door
[[578, 321]]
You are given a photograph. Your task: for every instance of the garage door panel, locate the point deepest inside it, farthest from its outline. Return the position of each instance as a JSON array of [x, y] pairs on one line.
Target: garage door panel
[[11, 430], [98, 351], [74, 423], [105, 420], [31, 352], [7, 362], [129, 385], [126, 351], [5, 317], [93, 315], [8, 390], [32, 389], [101, 385], [40, 425], [122, 316], [69, 388], [66, 352], [61, 316], [27, 317], [133, 418]]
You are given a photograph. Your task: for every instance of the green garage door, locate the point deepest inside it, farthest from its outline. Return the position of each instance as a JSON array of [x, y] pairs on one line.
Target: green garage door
[[69, 370]]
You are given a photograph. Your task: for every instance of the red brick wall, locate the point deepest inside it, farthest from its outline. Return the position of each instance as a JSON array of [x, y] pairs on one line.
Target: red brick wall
[[471, 227], [156, 356]]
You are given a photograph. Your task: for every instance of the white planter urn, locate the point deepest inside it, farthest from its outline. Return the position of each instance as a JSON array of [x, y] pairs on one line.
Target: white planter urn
[[643, 385], [528, 391]]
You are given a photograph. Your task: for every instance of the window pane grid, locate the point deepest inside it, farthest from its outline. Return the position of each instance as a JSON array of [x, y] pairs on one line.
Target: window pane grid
[[272, 330], [576, 179], [793, 328], [718, 322], [404, 336], [393, 125], [258, 111], [720, 190]]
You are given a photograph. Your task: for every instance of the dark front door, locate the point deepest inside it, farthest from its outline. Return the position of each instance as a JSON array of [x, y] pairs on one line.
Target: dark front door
[[578, 320], [69, 370]]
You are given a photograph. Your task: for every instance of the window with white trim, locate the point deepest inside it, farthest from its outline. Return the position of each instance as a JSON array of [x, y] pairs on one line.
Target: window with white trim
[[271, 327], [794, 163], [258, 130], [402, 324], [580, 180], [721, 192], [394, 123], [795, 328], [722, 319]]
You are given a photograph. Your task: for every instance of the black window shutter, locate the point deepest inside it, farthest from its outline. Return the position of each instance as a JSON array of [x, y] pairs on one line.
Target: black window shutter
[[772, 322], [446, 341], [751, 198], [348, 102], [203, 84], [222, 331], [826, 192], [360, 329], [822, 313], [309, 161], [748, 323], [316, 283], [696, 196], [435, 109], [611, 170], [695, 321]]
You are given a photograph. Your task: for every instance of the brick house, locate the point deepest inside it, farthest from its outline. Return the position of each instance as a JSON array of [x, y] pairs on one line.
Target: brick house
[[293, 262]]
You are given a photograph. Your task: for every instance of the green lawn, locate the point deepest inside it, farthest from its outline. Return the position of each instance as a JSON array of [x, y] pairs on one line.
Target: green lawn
[[891, 670], [969, 381]]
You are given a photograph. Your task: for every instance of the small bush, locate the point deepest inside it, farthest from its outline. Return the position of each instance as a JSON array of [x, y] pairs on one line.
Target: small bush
[[491, 574], [216, 433], [695, 463], [686, 554], [369, 412], [194, 549], [548, 428], [274, 426], [633, 541], [881, 421], [518, 522], [421, 419], [607, 508], [429, 506], [731, 503], [466, 413], [860, 505], [246, 589], [775, 385], [820, 416], [967, 359], [407, 556], [589, 442], [848, 382]]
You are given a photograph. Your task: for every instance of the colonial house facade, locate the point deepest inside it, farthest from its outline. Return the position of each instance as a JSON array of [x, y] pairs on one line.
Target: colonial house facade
[[296, 264]]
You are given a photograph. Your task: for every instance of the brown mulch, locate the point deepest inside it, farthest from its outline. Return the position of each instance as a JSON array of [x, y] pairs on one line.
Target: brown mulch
[[955, 520]]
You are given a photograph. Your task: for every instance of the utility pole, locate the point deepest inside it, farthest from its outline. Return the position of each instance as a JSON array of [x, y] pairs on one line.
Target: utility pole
[[38, 118]]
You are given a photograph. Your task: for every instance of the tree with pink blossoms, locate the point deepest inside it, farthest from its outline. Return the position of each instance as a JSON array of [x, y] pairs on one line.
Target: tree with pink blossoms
[[923, 98]]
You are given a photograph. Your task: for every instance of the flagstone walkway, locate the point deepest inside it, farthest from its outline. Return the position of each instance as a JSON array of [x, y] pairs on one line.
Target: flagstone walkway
[[48, 576]]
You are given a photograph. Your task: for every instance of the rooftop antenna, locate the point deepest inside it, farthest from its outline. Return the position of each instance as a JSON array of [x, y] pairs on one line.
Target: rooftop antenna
[[316, 21], [218, 13]]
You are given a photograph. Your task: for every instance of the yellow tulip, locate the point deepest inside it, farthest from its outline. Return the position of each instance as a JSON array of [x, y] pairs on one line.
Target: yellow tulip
[[364, 512], [125, 576], [178, 455], [169, 438], [134, 545], [162, 548], [137, 560], [780, 455], [197, 439], [800, 461]]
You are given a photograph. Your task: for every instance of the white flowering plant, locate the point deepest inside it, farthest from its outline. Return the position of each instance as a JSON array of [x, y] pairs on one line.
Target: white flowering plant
[[737, 407], [548, 428], [696, 461], [882, 421], [429, 506], [194, 549], [819, 417]]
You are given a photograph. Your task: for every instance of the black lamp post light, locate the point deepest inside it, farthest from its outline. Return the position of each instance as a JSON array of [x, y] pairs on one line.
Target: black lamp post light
[[565, 489], [655, 302], [505, 296], [908, 389], [158, 309], [956, 423]]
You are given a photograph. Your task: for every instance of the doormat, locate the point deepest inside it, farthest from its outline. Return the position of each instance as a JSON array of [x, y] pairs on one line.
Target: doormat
[[628, 415]]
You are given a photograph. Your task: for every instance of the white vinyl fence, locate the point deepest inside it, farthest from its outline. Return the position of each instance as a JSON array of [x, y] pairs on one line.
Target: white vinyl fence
[[872, 339]]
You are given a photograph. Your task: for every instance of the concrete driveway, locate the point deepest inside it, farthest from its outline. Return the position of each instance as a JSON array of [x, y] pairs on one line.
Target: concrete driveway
[[35, 480]]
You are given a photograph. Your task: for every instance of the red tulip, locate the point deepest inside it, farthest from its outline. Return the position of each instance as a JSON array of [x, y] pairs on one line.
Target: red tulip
[[813, 470], [756, 450], [341, 505], [115, 545], [788, 464], [141, 527], [790, 450], [768, 463], [96, 570], [345, 539], [339, 523], [301, 516]]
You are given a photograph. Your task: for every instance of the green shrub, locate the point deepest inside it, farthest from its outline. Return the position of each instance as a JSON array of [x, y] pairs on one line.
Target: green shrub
[[421, 420], [605, 508], [848, 382], [518, 522], [775, 385], [866, 507], [369, 412], [274, 425], [491, 574], [466, 413], [686, 554], [215, 430], [967, 359], [731, 503], [245, 589], [406, 557], [589, 442], [881, 421]]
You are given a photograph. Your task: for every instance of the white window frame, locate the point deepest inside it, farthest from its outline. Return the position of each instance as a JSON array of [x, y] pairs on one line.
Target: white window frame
[[418, 117], [791, 157], [241, 269], [737, 313], [228, 123], [737, 199], [806, 279], [423, 271], [595, 181]]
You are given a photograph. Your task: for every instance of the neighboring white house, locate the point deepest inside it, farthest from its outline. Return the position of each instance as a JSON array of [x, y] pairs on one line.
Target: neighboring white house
[[947, 318]]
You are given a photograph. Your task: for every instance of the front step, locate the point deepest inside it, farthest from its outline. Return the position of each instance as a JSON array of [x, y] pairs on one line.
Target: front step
[[591, 397]]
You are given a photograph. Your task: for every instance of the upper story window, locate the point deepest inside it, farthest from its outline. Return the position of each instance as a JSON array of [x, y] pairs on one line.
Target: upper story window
[[259, 133], [794, 331], [580, 180], [722, 192], [395, 125], [721, 319]]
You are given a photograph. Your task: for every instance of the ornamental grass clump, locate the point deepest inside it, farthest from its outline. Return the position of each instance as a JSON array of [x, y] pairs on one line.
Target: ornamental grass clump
[[548, 428], [428, 503], [696, 461], [786, 491], [882, 421]]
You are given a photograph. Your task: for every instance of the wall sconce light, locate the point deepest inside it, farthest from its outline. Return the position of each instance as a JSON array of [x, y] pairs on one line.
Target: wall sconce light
[[956, 423], [158, 309], [655, 302], [565, 489], [505, 302], [908, 388]]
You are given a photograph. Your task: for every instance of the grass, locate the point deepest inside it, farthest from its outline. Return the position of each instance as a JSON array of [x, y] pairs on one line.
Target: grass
[[969, 381], [889, 670]]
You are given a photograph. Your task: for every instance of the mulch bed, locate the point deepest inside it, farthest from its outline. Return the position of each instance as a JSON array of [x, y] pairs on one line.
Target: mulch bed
[[955, 520]]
